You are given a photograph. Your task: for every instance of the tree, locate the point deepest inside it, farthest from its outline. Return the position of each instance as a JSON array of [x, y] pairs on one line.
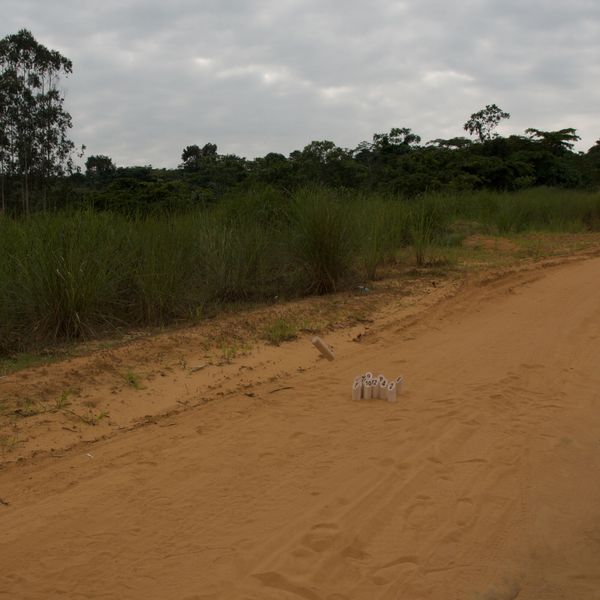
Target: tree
[[273, 168], [455, 143], [556, 141], [99, 166], [398, 141], [592, 159], [193, 156], [485, 121], [33, 121]]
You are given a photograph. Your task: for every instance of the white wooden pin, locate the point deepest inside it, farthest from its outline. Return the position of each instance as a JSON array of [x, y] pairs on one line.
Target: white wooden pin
[[323, 348]]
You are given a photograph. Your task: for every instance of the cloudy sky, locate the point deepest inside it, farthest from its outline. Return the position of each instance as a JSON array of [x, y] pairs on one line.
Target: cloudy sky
[[254, 76]]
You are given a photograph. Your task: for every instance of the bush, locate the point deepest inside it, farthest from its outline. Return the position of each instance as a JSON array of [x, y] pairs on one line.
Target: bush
[[322, 239]]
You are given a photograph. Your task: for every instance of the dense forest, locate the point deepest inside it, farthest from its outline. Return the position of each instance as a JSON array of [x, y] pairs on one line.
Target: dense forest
[[38, 167], [394, 163]]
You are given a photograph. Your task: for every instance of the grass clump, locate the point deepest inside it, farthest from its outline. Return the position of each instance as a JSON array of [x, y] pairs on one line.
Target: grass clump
[[62, 275], [322, 239], [133, 380], [382, 227], [238, 262], [8, 443], [62, 401], [427, 221], [165, 268], [280, 330], [26, 407]]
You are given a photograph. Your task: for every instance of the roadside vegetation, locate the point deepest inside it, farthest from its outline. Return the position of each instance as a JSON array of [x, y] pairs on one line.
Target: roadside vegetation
[[83, 253], [75, 274]]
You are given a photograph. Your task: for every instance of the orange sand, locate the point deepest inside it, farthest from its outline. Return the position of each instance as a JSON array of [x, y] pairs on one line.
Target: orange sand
[[482, 482]]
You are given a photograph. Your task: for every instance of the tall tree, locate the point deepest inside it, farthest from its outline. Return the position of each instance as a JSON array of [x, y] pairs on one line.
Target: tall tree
[[33, 121], [99, 166], [398, 141], [193, 157], [556, 141], [484, 122]]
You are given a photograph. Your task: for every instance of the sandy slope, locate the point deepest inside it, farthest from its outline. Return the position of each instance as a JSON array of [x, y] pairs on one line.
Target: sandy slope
[[482, 482]]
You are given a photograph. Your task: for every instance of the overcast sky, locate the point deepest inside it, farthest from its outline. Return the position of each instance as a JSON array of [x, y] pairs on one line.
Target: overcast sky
[[256, 76]]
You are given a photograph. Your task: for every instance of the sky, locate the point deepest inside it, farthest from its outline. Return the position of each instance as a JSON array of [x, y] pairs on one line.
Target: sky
[[256, 76]]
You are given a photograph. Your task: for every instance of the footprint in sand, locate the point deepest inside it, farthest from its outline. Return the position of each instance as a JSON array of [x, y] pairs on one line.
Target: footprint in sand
[[464, 512], [532, 366], [355, 551], [321, 537], [280, 582], [421, 516], [394, 569]]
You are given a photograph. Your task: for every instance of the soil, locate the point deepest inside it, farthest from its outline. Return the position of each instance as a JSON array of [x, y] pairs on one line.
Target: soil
[[203, 463]]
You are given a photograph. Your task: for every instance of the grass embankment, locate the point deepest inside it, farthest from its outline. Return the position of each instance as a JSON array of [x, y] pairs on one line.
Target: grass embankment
[[71, 275]]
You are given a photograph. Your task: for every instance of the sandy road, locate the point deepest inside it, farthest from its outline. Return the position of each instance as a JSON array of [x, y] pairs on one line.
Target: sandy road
[[483, 482]]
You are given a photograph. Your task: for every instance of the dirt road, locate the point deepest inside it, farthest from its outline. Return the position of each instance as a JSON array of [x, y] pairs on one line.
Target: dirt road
[[482, 482]]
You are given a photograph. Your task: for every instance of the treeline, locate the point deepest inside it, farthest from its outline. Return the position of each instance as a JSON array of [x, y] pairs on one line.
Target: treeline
[[38, 170], [395, 163]]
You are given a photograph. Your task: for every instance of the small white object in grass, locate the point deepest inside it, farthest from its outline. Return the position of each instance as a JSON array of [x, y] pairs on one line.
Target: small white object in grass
[[368, 389], [357, 389], [323, 348]]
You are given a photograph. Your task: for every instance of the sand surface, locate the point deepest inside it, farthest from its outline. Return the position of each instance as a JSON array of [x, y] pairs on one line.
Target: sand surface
[[482, 482]]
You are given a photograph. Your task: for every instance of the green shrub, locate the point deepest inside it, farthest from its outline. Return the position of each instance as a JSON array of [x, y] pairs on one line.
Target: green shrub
[[321, 239], [64, 274]]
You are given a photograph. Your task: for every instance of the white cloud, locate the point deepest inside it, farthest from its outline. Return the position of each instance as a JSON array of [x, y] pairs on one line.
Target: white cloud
[[256, 76]]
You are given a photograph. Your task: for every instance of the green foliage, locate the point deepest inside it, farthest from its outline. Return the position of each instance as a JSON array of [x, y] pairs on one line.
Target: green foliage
[[484, 122], [428, 218], [74, 274], [33, 124], [555, 141], [62, 401], [62, 274], [322, 239], [166, 256], [99, 167], [383, 226], [280, 330], [238, 260], [132, 380]]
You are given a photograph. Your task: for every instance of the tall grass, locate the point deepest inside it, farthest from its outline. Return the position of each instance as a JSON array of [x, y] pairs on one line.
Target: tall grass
[[545, 209], [236, 262], [383, 227], [73, 274], [62, 275], [162, 264], [322, 238], [428, 218]]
